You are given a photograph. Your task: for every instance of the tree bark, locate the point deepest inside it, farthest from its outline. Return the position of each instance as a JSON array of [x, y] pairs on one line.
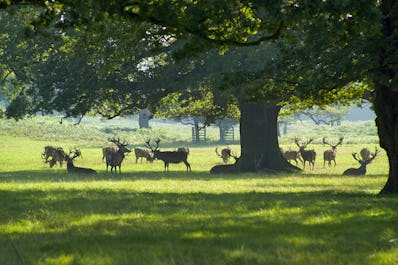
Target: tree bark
[[259, 139], [386, 109], [386, 96]]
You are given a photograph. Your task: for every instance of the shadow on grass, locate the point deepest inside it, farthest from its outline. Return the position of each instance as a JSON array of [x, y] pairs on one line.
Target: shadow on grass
[[124, 227], [62, 175]]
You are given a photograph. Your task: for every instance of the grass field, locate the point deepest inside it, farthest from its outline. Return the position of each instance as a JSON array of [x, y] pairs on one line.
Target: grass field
[[145, 216]]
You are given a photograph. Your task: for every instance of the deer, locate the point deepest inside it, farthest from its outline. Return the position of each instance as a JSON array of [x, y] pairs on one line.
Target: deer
[[71, 167], [363, 161], [227, 169], [108, 150], [225, 154], [168, 156], [330, 155], [292, 155], [57, 154], [115, 159], [141, 152], [307, 155]]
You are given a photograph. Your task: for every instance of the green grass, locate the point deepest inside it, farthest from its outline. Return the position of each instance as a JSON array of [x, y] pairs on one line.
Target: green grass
[[145, 216]]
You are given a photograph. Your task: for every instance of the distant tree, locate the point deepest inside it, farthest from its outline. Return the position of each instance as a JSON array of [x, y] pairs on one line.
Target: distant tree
[[329, 115]]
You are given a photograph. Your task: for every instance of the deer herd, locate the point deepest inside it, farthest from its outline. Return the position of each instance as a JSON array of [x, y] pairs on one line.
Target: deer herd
[[114, 156]]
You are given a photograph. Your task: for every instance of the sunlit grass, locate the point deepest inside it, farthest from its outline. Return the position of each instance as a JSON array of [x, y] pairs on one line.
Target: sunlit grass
[[145, 216]]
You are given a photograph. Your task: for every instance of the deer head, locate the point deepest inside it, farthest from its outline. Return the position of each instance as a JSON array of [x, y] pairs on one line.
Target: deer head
[[120, 145], [366, 159], [74, 153], [302, 146]]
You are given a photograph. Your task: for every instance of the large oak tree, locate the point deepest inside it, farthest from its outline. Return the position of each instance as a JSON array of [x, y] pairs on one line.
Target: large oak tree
[[328, 44]]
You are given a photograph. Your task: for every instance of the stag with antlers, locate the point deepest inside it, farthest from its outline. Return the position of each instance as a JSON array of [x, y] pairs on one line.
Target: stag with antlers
[[71, 167], [114, 159], [307, 155], [363, 161], [330, 155], [168, 156]]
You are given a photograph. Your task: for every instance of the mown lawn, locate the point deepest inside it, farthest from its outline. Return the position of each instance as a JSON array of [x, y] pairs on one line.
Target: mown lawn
[[144, 216]]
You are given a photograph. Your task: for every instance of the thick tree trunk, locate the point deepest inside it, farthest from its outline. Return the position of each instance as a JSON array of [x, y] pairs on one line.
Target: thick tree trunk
[[386, 108], [386, 96], [259, 139]]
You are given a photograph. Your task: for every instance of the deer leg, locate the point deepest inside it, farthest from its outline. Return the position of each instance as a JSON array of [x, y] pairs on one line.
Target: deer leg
[[187, 165]]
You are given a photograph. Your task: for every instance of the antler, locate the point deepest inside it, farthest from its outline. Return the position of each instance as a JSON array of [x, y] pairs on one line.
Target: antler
[[296, 140], [76, 152], [354, 155], [234, 155], [325, 142], [373, 156], [147, 144], [117, 142], [340, 141]]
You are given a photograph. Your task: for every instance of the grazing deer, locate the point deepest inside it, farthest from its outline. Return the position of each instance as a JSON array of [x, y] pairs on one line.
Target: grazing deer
[[141, 152], [225, 169], [330, 155], [108, 150], [307, 155], [168, 156], [115, 159], [225, 154], [71, 168], [57, 154], [292, 155], [366, 159]]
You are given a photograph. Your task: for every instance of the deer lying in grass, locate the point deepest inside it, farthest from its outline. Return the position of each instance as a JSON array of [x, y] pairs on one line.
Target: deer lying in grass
[[141, 152], [168, 157], [225, 169], [366, 159], [114, 159], [57, 154], [292, 155], [307, 155], [330, 155], [71, 167], [225, 154]]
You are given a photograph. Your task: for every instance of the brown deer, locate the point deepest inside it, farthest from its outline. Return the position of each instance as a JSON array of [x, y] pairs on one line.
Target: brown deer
[[168, 156], [141, 152], [225, 154], [330, 155], [292, 155], [366, 159], [57, 154], [225, 169], [71, 167], [115, 159], [108, 150], [307, 155]]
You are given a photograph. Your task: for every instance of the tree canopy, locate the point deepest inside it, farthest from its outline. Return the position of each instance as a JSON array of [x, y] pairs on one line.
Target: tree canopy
[[318, 52]]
